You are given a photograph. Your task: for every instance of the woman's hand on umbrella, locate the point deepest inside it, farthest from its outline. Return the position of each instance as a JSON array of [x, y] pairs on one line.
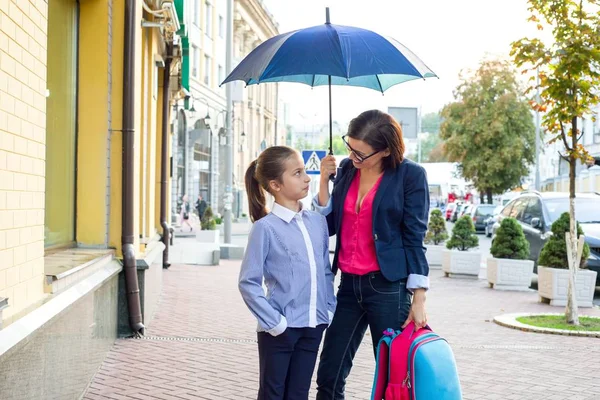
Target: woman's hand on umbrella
[[328, 167]]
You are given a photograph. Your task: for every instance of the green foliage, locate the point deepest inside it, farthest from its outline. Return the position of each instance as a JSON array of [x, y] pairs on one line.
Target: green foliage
[[432, 149], [208, 222], [488, 115], [218, 220], [436, 232], [510, 241], [463, 235], [569, 68], [431, 122], [339, 148], [554, 252]]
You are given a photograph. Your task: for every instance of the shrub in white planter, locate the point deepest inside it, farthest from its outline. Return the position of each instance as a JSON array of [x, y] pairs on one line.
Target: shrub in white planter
[[509, 268], [458, 260], [436, 236], [553, 268]]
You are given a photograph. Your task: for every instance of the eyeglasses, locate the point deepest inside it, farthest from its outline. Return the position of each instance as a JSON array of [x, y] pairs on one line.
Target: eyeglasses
[[360, 158]]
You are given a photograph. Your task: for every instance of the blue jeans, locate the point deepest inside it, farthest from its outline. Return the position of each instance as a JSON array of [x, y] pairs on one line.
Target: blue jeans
[[362, 300]]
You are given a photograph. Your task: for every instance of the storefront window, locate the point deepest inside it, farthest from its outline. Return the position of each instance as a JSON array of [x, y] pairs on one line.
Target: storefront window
[[61, 114]]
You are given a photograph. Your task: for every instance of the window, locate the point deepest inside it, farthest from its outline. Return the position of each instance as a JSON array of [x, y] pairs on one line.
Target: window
[[533, 210], [207, 69], [221, 77], [208, 19], [195, 62], [196, 13], [518, 208], [221, 27], [61, 108]]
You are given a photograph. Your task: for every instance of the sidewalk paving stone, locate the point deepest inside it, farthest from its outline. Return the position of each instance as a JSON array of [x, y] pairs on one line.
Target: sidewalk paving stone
[[201, 345]]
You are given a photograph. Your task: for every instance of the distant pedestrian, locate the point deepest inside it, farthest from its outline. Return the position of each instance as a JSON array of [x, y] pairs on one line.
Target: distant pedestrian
[[201, 206], [185, 213], [288, 249]]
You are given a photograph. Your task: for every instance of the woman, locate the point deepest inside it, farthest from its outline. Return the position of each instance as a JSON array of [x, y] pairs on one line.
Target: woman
[[378, 209], [185, 213]]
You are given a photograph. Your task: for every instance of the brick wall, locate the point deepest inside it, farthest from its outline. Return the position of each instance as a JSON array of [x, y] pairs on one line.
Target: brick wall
[[23, 32]]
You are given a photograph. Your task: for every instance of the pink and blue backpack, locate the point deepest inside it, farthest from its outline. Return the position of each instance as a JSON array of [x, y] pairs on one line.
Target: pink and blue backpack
[[415, 365]]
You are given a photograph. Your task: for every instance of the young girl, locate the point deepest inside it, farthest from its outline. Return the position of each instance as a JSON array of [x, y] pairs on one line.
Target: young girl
[[288, 248]]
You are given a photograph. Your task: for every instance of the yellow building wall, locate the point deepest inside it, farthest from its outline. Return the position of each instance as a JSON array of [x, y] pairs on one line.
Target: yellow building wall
[[93, 123], [147, 128], [23, 41]]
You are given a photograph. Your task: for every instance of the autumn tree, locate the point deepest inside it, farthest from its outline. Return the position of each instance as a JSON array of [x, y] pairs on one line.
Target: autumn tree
[[489, 129], [569, 80]]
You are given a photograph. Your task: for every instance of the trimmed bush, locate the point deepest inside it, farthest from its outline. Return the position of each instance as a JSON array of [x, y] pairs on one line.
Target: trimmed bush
[[463, 235], [436, 231], [554, 252], [510, 241], [208, 222]]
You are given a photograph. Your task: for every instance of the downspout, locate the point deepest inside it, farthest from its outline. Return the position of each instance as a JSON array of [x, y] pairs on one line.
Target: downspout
[[127, 230], [164, 156]]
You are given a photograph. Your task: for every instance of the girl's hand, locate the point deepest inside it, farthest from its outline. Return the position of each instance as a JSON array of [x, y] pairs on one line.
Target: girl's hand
[[417, 312]]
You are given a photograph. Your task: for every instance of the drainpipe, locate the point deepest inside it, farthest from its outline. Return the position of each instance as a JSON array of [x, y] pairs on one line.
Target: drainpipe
[[164, 155], [127, 231]]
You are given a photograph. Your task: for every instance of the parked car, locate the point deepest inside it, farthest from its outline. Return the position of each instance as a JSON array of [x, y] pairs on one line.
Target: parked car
[[537, 211], [479, 214], [491, 220], [450, 210]]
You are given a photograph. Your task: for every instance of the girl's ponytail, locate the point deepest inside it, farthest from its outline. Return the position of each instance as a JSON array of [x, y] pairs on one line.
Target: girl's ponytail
[[256, 194]]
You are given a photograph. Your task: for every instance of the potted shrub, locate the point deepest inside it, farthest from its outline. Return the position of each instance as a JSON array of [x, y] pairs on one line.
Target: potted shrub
[[219, 222], [209, 232], [436, 235], [458, 260], [509, 268], [243, 218], [553, 269]]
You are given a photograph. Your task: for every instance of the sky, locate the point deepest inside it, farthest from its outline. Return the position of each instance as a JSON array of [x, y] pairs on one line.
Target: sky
[[448, 35]]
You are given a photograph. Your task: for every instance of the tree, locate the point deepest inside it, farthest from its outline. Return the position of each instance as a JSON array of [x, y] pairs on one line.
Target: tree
[[569, 77], [510, 241], [431, 122], [463, 235], [489, 130], [554, 252], [432, 149], [436, 230], [339, 148]]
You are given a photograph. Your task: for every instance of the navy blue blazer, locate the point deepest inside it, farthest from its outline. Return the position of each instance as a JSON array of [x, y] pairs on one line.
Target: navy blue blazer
[[400, 215]]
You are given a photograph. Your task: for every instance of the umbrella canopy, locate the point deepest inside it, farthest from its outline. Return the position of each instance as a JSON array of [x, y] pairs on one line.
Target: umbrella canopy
[[331, 55]]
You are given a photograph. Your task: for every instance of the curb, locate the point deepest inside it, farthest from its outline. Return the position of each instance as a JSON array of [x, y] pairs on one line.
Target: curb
[[510, 321]]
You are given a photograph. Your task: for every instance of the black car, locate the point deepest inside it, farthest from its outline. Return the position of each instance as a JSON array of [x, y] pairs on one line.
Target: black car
[[479, 214], [536, 211]]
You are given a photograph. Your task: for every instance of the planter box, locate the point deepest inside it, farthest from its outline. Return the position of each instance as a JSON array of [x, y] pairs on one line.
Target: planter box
[[209, 236], [506, 274], [221, 228], [434, 256], [553, 286], [461, 263]]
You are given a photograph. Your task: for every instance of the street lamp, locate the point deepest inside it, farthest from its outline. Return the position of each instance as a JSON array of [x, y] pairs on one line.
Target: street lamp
[[192, 109]]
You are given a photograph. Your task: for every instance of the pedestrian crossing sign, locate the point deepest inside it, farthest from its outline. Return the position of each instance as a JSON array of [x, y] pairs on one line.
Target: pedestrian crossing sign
[[312, 161]]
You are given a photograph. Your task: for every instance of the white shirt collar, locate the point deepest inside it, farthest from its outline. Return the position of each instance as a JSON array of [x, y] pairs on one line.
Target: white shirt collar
[[285, 213]]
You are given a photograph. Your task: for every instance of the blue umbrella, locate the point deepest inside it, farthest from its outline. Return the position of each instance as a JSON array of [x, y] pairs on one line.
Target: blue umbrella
[[331, 55]]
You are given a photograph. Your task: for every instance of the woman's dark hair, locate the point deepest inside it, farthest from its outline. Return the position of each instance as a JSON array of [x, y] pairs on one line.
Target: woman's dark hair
[[380, 131], [269, 166]]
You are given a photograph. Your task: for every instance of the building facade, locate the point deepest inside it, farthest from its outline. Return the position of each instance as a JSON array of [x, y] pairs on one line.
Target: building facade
[[255, 112], [85, 93]]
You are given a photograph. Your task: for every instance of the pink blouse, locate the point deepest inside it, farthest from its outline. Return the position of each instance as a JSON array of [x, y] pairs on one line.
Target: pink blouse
[[357, 252]]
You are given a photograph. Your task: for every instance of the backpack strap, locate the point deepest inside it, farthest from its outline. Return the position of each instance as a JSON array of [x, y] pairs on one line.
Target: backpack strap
[[380, 379]]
